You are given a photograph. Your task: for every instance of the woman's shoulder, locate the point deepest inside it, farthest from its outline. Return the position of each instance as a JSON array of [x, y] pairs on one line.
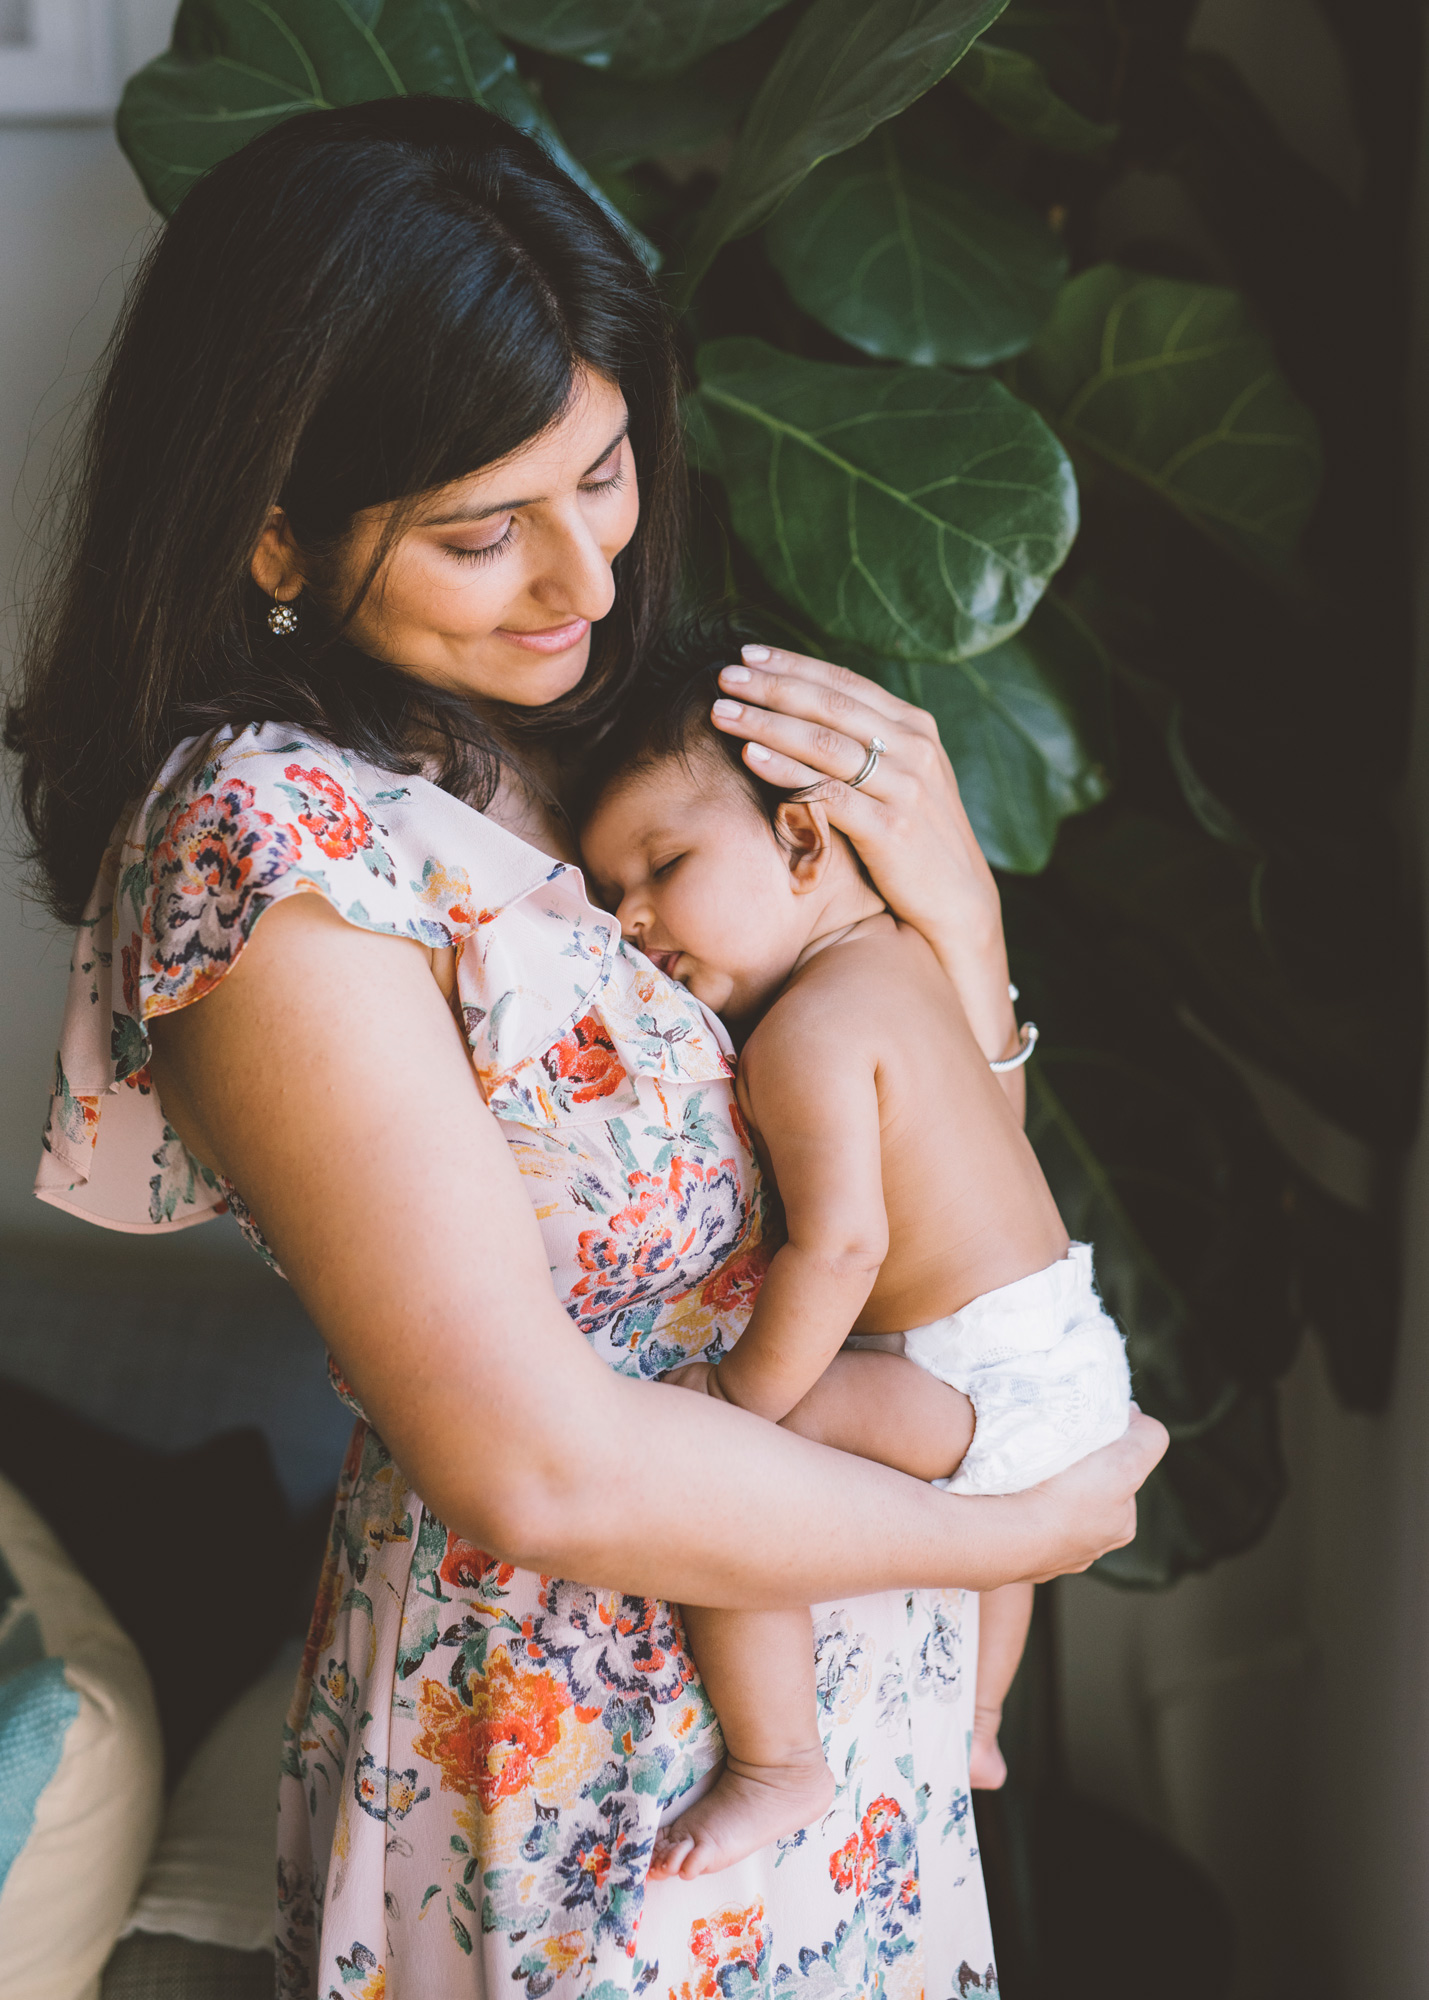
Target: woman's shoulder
[[235, 822], [244, 817]]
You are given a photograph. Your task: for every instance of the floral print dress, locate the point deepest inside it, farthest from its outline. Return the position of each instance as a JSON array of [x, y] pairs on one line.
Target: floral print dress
[[477, 1758]]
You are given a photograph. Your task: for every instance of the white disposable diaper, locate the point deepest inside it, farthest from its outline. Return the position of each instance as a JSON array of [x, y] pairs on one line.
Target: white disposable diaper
[[1045, 1370]]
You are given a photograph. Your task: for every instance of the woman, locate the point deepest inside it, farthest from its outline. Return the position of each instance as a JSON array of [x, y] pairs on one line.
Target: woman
[[390, 376]]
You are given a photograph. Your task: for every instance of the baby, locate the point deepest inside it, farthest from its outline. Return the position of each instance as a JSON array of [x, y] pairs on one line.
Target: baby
[[917, 1215]]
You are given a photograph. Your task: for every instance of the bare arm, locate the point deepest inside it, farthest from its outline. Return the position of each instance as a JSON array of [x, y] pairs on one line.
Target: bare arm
[[825, 1150], [908, 822], [326, 1078]]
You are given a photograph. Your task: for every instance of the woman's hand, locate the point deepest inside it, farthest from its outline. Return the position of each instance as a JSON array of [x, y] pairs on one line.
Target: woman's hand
[[806, 723], [1091, 1508]]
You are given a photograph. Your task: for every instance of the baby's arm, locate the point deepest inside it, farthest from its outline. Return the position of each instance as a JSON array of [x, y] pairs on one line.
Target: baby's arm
[[883, 1407], [819, 1123]]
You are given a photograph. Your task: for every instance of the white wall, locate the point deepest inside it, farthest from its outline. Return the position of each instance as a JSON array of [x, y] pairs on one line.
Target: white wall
[[72, 221], [71, 218]]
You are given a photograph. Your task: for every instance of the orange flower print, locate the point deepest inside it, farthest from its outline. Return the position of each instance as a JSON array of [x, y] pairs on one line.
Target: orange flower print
[[211, 869], [448, 890], [729, 1937], [583, 1065], [684, 1220], [852, 1865], [489, 1743], [337, 823], [735, 1285], [466, 1567]]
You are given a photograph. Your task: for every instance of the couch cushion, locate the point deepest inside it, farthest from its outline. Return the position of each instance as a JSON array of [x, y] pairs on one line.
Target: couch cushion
[[211, 1875], [81, 1767]]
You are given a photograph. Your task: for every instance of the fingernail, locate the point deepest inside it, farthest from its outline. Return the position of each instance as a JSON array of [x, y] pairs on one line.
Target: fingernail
[[736, 676], [755, 653], [756, 753], [728, 711]]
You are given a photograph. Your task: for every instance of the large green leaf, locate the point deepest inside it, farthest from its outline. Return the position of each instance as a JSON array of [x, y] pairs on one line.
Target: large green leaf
[[1173, 384], [237, 67], [1014, 89], [917, 514], [612, 122], [633, 38], [1028, 728], [846, 67], [912, 268]]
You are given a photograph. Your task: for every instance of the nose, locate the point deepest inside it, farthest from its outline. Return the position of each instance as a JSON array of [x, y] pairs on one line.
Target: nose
[[576, 579], [631, 915]]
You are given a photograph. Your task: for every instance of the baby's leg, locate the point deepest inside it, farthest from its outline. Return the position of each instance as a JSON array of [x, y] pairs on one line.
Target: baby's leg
[[883, 1407], [758, 1670], [1003, 1618]]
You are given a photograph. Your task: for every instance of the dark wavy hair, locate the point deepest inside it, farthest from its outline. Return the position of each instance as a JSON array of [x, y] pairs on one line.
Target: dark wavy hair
[[665, 713], [357, 307]]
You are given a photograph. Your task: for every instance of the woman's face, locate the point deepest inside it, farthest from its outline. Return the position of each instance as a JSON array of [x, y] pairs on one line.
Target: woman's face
[[493, 588]]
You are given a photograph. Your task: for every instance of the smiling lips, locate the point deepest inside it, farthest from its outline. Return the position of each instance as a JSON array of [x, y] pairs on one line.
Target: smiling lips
[[555, 638]]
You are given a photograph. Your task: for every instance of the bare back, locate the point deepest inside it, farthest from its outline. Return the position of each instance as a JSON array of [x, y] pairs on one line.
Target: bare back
[[967, 1206]]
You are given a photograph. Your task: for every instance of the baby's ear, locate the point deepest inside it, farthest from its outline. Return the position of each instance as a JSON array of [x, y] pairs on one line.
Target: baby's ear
[[803, 829]]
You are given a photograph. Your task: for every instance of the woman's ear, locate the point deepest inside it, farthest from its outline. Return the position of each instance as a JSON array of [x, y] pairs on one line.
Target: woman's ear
[[276, 568], [803, 829]]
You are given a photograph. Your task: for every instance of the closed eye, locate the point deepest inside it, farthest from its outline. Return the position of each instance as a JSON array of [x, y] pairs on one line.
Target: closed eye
[[609, 474], [665, 866], [487, 551]]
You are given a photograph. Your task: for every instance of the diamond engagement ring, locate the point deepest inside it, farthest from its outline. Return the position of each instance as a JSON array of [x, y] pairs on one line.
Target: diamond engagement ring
[[870, 763]]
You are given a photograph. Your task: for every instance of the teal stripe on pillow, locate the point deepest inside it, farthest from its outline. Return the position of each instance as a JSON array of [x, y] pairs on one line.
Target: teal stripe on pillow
[[37, 1706]]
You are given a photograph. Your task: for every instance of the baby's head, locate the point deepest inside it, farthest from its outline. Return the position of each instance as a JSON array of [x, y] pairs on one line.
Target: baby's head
[[721, 879]]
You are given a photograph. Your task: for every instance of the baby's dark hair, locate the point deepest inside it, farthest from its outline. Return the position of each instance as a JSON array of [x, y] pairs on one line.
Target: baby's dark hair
[[666, 713]]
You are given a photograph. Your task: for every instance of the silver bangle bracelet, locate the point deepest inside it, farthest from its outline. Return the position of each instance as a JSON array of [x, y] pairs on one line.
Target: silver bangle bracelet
[[1026, 1043]]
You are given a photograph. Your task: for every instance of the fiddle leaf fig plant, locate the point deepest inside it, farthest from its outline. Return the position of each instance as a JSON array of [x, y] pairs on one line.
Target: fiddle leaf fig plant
[[916, 513], [911, 268], [648, 39], [1114, 500], [232, 71], [1174, 385]]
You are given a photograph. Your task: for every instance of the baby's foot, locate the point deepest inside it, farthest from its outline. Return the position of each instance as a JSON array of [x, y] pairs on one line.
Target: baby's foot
[[751, 1805], [987, 1768]]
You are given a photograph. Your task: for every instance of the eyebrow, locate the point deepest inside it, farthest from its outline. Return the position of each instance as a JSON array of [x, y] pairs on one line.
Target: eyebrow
[[510, 506]]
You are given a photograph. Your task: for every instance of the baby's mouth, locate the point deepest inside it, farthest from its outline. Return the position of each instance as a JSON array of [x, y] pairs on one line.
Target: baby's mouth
[[663, 961]]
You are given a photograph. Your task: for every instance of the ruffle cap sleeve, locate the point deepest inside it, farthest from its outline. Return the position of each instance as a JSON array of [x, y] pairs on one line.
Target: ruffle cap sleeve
[[235, 822]]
